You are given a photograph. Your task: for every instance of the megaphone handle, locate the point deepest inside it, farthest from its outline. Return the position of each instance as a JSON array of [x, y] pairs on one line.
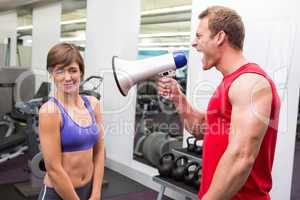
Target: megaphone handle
[[167, 97], [171, 74]]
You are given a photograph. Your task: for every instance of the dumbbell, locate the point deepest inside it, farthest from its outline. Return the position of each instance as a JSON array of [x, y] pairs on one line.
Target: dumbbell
[[197, 147], [190, 144], [179, 168], [197, 177], [166, 164], [190, 173]]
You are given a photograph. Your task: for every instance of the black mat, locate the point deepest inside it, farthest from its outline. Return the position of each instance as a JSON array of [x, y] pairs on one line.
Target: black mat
[[8, 192], [14, 170], [120, 185], [146, 195]]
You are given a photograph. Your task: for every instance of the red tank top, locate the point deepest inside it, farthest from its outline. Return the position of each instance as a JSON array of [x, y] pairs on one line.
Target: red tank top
[[259, 182]]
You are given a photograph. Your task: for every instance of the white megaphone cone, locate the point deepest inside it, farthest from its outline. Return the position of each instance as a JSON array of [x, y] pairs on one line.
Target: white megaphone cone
[[128, 73]]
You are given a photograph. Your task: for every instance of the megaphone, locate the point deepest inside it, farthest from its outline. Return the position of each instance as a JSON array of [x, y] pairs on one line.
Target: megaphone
[[128, 73]]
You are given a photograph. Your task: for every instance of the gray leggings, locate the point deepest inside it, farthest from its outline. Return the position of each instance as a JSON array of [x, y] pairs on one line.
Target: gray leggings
[[48, 193]]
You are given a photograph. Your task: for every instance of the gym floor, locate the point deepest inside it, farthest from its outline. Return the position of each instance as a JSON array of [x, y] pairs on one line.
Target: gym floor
[[118, 188]]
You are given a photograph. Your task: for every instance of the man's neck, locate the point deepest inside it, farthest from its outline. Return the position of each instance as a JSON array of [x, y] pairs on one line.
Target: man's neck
[[231, 61]]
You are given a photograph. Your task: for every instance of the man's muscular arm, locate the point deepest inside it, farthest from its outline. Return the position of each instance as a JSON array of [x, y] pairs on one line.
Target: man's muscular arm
[[251, 99]]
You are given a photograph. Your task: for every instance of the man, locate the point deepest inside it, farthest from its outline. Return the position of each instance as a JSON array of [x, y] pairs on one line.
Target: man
[[241, 120]]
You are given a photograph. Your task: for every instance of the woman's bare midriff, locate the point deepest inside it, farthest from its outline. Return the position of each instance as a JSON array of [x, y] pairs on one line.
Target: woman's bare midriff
[[79, 167]]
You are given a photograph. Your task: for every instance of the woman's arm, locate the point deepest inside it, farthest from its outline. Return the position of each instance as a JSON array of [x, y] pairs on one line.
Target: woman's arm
[[98, 153], [49, 133]]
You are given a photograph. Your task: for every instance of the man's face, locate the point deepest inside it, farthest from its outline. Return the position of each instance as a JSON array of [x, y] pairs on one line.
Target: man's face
[[206, 45]]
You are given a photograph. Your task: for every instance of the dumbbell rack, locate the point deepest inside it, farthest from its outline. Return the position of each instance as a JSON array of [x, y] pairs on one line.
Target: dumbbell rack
[[189, 192], [184, 152]]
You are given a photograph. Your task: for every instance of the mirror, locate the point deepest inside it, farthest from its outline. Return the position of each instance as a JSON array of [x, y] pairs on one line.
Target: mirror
[[158, 128]]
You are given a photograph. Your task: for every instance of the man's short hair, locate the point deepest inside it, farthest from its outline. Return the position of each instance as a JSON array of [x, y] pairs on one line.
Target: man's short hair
[[221, 18]]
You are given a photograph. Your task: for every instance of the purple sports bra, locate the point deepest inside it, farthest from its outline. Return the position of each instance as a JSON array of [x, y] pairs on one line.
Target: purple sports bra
[[73, 136]]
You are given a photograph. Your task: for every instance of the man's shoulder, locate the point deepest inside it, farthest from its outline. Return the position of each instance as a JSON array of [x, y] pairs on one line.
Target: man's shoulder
[[247, 85]]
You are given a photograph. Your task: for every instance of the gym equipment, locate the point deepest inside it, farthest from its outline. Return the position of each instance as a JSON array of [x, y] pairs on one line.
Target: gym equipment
[[156, 144], [197, 177], [166, 164], [142, 130], [13, 143], [190, 145], [7, 124], [198, 147], [147, 95], [149, 152], [179, 168], [190, 173], [151, 143], [144, 124], [128, 73], [17, 114], [29, 110], [12, 147], [37, 166], [93, 91]]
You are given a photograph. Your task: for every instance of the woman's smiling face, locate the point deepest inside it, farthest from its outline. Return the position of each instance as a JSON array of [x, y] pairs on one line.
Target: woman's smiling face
[[67, 78]]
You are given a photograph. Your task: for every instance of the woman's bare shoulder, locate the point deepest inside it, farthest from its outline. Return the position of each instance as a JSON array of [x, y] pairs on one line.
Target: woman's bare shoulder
[[49, 107]]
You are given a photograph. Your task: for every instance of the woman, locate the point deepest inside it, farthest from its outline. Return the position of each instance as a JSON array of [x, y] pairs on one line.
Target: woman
[[72, 140]]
